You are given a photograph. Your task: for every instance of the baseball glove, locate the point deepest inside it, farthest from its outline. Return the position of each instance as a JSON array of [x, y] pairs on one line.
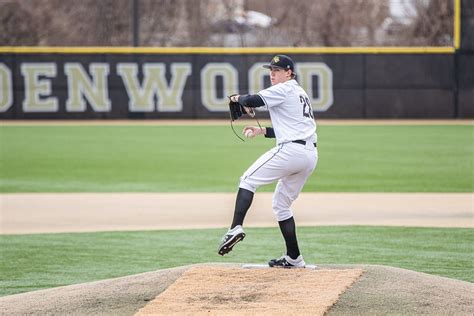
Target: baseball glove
[[236, 110]]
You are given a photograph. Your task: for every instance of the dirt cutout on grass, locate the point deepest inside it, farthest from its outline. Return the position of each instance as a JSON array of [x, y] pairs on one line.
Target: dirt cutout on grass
[[230, 291]]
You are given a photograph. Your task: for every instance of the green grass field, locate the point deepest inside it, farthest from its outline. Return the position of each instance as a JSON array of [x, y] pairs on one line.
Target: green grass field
[[30, 262], [211, 159]]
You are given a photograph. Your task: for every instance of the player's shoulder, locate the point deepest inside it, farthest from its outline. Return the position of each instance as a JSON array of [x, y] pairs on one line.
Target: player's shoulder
[[290, 85], [283, 87]]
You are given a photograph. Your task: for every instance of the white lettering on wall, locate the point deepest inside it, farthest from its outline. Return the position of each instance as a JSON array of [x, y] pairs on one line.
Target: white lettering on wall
[[141, 96], [81, 87], [6, 88], [37, 85]]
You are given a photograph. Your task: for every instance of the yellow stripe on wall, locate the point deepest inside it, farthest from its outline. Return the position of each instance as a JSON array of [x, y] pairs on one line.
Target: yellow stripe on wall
[[227, 50]]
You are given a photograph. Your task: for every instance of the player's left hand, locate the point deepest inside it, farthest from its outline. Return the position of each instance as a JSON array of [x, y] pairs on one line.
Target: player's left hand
[[236, 110]]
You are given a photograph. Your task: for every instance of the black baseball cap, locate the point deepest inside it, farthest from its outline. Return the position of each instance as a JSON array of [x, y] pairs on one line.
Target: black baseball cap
[[282, 61]]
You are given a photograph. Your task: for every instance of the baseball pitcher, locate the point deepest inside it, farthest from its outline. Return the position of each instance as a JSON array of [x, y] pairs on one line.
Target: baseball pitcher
[[290, 162]]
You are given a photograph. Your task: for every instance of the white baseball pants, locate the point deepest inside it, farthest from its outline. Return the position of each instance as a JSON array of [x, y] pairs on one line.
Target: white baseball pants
[[289, 163]]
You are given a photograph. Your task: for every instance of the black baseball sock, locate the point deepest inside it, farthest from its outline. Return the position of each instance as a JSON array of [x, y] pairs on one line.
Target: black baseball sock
[[242, 204], [288, 229]]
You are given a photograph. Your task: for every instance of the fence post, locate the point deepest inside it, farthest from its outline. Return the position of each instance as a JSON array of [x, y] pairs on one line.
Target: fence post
[[136, 23]]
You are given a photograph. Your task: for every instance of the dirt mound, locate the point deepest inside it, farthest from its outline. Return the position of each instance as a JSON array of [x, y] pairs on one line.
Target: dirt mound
[[380, 290], [208, 290], [393, 291]]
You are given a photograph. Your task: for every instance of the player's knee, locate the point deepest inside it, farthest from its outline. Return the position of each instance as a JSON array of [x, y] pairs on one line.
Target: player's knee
[[282, 214], [247, 185], [281, 210]]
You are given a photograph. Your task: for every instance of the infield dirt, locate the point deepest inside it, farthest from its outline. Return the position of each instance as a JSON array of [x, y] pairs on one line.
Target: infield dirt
[[24, 213]]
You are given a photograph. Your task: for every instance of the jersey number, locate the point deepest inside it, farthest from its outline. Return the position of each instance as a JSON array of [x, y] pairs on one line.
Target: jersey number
[[307, 110]]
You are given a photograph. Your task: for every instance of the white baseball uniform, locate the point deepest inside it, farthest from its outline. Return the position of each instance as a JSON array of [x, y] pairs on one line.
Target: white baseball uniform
[[288, 162]]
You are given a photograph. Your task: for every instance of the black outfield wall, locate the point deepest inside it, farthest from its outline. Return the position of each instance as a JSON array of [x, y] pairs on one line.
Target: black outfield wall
[[465, 61], [90, 86]]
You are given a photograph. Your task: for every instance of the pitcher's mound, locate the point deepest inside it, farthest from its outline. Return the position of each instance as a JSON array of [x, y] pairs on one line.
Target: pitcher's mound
[[227, 290]]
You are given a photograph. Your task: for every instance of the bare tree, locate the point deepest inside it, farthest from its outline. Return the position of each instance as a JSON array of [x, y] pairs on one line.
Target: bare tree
[[63, 22], [16, 24], [215, 23], [160, 22], [197, 22], [433, 24], [112, 22], [325, 23]]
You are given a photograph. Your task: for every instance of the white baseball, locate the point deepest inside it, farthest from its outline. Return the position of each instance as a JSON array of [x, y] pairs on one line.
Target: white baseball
[[249, 133]]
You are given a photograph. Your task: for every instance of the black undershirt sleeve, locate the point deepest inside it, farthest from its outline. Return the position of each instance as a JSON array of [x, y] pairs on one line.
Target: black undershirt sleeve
[[270, 132], [251, 100], [254, 101]]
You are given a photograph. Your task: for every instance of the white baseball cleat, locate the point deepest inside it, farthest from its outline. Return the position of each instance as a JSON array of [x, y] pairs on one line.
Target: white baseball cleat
[[232, 237], [286, 262]]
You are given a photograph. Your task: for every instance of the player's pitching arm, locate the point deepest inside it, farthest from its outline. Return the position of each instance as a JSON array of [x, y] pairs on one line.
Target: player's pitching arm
[[249, 102]]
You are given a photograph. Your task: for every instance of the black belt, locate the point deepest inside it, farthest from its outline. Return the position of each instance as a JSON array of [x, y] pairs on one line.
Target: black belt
[[302, 142]]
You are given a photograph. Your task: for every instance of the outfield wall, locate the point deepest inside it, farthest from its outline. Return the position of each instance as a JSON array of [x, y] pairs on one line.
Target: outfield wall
[[170, 85], [465, 60]]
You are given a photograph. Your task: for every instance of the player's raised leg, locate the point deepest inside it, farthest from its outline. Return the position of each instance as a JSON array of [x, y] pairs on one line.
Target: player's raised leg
[[264, 170], [236, 232]]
